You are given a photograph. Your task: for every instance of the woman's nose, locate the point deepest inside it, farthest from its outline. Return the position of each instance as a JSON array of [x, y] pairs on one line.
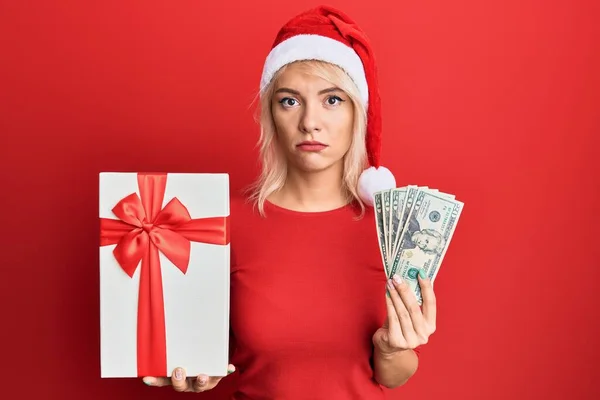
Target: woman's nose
[[310, 121]]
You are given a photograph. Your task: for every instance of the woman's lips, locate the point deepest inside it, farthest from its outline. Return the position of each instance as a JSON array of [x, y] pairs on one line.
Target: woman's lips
[[311, 146]]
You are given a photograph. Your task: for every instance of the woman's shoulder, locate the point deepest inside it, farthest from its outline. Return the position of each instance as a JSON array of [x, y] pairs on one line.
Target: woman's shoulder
[[240, 206]]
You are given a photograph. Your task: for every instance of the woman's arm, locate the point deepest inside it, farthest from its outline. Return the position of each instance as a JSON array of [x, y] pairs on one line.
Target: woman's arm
[[395, 369], [406, 328]]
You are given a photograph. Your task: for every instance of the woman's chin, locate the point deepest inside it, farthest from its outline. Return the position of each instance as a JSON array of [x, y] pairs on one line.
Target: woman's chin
[[314, 166]]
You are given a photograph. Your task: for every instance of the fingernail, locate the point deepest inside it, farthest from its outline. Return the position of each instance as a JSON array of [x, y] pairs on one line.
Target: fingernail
[[397, 279], [230, 370], [390, 284], [147, 381], [178, 374], [203, 380], [422, 274]]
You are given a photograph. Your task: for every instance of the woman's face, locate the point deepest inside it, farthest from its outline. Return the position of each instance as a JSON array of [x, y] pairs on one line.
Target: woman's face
[[313, 119]]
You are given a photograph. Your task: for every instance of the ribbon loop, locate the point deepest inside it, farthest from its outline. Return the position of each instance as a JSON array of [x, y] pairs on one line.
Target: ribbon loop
[[130, 210]]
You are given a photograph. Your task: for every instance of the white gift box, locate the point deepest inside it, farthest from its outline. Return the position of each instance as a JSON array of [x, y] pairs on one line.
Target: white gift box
[[164, 233]]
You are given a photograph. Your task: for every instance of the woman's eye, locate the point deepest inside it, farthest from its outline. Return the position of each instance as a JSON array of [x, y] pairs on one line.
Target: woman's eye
[[288, 102], [333, 100]]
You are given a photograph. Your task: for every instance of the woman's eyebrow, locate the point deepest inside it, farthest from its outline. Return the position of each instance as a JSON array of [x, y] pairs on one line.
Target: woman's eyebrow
[[288, 90]]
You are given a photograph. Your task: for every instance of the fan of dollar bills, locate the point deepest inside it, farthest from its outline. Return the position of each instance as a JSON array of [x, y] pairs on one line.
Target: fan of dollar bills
[[414, 226]]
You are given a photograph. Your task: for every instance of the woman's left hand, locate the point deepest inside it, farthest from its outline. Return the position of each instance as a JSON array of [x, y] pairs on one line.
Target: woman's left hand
[[407, 325]]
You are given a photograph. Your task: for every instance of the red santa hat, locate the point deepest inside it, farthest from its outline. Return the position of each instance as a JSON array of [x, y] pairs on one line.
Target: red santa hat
[[326, 34]]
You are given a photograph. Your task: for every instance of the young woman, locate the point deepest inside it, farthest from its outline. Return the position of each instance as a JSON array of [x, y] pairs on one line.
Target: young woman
[[310, 317]]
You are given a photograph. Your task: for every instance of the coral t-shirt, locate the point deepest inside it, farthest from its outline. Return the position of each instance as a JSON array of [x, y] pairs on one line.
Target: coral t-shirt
[[307, 295]]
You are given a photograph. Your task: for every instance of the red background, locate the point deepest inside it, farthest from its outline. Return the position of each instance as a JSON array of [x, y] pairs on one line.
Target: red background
[[496, 103]]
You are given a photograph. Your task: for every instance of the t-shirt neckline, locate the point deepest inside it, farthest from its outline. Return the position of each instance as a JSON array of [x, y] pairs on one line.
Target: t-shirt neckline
[[275, 207]]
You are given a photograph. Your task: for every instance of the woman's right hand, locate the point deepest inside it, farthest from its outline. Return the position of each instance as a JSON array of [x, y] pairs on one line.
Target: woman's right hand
[[181, 383]]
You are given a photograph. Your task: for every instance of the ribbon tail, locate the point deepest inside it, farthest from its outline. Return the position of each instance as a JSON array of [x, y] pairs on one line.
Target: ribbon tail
[[174, 246], [130, 250], [151, 333]]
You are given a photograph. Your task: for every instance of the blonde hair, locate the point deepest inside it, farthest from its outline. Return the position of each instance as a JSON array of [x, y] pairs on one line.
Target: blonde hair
[[273, 162]]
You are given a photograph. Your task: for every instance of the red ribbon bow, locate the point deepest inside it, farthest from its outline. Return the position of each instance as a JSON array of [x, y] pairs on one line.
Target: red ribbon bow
[[142, 230]]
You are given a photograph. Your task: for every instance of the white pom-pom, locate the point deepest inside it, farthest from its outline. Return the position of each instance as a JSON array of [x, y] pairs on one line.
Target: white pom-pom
[[372, 180]]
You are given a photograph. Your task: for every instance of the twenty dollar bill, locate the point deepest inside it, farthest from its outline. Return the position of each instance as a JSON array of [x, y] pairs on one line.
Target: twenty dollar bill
[[419, 236]]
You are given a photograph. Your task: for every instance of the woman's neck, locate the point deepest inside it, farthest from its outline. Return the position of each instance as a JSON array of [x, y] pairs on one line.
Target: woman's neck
[[311, 192]]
